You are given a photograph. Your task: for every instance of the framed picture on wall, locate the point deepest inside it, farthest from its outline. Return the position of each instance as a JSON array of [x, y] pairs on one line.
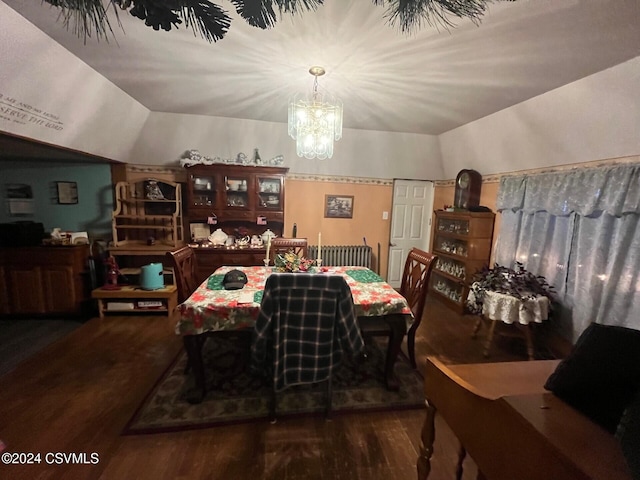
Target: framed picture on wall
[[18, 191], [67, 192], [338, 206]]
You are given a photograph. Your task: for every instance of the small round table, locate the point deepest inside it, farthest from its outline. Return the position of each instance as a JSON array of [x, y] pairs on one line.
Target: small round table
[[511, 310]]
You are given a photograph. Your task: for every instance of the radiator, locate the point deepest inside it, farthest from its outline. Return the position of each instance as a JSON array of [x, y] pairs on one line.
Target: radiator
[[342, 255]]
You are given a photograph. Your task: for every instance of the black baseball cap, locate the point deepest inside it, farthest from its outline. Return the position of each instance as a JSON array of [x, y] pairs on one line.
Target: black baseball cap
[[234, 280]]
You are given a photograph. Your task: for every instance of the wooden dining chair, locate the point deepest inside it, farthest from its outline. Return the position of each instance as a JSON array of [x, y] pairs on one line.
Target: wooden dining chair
[[306, 324], [281, 245], [414, 288], [183, 262]]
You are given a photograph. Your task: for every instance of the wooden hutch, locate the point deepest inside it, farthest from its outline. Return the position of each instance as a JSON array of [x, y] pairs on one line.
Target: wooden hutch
[[239, 200]]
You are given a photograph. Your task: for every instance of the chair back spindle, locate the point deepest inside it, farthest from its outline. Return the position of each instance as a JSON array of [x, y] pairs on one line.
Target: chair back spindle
[[280, 245]]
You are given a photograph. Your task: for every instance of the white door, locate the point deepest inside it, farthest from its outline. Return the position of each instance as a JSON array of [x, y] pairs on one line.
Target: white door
[[410, 223]]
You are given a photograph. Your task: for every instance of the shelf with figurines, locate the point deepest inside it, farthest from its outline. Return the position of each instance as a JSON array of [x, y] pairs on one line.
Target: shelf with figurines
[[147, 216]]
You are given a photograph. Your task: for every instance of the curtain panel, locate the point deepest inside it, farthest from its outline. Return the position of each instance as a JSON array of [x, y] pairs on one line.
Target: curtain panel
[[580, 229], [587, 192]]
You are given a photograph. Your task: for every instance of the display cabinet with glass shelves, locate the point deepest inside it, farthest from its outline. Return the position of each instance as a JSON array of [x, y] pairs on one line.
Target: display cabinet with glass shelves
[[228, 193], [241, 201], [462, 241]]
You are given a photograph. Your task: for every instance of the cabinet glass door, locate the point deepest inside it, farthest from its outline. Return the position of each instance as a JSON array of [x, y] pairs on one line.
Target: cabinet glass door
[[451, 245], [449, 288], [453, 225], [204, 191], [451, 267], [270, 192], [237, 191]]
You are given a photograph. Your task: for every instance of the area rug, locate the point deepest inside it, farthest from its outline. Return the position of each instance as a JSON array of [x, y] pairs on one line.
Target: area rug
[[234, 395]]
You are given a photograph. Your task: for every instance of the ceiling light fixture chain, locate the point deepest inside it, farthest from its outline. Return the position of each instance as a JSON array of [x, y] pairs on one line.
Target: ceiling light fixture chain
[[316, 72]]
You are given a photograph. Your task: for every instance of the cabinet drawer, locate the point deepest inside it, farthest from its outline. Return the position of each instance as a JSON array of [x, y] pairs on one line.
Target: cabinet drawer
[[243, 259], [237, 214], [273, 216], [201, 214], [210, 260]]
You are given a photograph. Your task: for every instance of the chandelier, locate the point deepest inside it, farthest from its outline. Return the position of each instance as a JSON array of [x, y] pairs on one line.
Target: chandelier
[[315, 121]]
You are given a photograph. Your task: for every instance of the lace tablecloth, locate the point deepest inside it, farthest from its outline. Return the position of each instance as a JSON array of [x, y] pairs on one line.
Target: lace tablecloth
[[509, 309]]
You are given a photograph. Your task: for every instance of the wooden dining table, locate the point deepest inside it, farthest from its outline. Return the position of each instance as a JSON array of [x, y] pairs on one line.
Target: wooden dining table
[[211, 308]]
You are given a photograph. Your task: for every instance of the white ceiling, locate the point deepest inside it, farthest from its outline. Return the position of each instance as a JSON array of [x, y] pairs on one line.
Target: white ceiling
[[429, 82]]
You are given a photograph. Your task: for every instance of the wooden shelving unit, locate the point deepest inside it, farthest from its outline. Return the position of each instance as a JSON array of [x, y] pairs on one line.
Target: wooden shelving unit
[[130, 298], [147, 219], [462, 241]]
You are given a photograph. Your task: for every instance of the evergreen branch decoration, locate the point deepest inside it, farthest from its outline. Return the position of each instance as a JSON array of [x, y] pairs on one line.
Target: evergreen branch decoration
[[209, 20], [257, 14], [84, 17]]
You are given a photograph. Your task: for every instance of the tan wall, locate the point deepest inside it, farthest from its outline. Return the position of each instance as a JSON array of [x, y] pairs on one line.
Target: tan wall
[[304, 206], [306, 198]]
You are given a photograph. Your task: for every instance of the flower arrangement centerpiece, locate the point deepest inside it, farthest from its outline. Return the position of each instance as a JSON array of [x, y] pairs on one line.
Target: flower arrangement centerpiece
[[290, 262], [518, 282]]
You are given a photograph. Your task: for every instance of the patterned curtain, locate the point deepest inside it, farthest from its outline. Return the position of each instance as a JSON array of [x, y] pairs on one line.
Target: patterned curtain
[[580, 229]]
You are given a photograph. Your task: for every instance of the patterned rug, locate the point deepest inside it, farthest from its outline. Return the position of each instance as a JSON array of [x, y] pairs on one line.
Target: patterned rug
[[234, 395]]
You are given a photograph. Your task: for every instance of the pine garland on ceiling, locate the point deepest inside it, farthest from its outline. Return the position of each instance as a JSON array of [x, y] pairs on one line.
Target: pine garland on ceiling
[[210, 21]]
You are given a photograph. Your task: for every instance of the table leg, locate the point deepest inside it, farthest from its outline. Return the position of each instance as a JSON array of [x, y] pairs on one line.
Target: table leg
[[193, 346], [398, 326], [487, 345], [476, 327], [172, 304], [427, 438], [462, 453], [528, 338]]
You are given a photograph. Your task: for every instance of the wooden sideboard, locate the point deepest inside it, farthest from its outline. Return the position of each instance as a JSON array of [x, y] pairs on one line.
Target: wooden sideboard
[[210, 258], [44, 280]]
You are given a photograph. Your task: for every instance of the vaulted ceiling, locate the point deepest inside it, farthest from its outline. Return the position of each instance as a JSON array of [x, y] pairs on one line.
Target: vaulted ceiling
[[427, 82]]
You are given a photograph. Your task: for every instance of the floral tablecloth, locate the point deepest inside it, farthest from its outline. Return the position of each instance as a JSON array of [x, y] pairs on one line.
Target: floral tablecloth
[[212, 308]]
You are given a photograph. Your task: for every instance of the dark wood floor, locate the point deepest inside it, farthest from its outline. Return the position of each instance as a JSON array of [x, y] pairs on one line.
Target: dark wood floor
[[78, 394]]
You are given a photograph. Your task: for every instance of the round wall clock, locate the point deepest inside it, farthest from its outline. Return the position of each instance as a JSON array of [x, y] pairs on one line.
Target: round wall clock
[[468, 185]]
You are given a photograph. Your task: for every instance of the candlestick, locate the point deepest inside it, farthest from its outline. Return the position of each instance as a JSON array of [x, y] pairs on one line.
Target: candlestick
[[268, 248], [319, 256]]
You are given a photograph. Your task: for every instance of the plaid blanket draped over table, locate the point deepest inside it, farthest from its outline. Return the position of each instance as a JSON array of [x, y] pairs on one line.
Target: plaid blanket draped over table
[[304, 325]]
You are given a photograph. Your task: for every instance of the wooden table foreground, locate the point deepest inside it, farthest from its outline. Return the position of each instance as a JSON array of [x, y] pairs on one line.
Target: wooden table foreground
[[512, 427]]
